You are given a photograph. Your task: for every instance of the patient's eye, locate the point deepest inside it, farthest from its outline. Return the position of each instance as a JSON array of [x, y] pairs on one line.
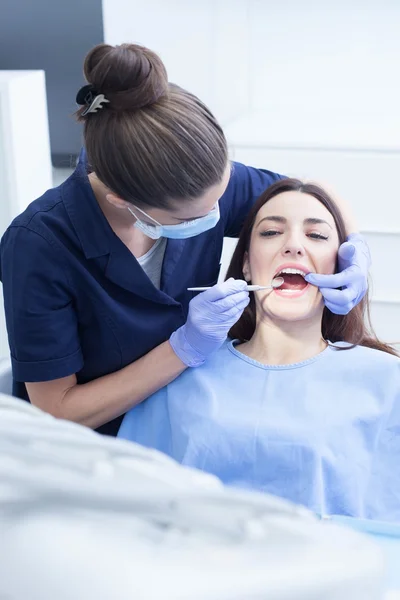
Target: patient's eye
[[269, 233], [317, 236]]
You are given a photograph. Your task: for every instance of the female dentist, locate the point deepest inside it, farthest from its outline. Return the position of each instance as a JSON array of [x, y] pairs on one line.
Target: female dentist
[[95, 272]]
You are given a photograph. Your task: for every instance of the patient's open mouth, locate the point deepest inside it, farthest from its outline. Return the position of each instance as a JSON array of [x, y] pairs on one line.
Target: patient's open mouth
[[293, 280]]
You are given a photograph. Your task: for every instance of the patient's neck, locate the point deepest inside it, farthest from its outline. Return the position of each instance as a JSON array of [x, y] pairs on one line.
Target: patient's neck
[[284, 342]]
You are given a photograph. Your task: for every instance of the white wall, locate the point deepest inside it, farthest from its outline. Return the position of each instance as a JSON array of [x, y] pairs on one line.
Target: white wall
[[203, 44], [303, 88], [303, 56], [339, 55]]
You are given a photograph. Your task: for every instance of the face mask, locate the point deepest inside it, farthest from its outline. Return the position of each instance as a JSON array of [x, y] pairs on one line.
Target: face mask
[[180, 231]]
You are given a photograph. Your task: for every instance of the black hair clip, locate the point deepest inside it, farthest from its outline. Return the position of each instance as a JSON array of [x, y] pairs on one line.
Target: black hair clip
[[89, 97]]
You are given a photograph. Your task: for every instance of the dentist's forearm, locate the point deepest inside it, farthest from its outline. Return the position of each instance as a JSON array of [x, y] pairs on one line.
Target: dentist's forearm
[[99, 401]]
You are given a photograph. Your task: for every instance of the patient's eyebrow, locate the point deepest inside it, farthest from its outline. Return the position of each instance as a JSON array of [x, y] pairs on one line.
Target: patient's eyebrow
[[315, 221], [308, 221], [273, 218]]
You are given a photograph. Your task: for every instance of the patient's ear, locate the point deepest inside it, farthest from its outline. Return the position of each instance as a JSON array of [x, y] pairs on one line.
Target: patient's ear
[[246, 268]]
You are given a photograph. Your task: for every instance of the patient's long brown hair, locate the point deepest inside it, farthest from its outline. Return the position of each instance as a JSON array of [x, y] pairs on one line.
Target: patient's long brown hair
[[351, 328]]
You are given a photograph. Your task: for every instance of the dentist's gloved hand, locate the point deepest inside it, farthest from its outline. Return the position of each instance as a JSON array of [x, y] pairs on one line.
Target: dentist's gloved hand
[[354, 263], [211, 315]]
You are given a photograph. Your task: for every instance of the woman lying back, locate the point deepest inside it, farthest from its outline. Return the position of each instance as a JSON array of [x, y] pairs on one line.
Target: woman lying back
[[300, 403]]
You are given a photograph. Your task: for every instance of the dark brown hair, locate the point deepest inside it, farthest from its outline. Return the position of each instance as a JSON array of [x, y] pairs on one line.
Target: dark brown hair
[[349, 328], [153, 143]]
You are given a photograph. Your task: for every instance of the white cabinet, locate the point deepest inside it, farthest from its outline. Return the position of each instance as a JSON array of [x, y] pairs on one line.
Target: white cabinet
[[25, 166]]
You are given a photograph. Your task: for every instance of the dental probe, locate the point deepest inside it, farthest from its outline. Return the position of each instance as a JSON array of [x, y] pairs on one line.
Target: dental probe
[[250, 288]]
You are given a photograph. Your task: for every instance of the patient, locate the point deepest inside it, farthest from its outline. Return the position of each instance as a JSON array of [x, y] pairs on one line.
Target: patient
[[300, 403]]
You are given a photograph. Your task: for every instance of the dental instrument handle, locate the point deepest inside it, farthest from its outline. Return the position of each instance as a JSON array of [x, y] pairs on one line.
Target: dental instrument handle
[[250, 288]]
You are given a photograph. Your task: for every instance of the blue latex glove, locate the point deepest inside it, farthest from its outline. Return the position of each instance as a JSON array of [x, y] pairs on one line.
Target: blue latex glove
[[211, 315], [354, 263]]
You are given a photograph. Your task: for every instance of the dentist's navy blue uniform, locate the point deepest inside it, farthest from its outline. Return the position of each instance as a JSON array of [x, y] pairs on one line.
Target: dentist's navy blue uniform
[[77, 300]]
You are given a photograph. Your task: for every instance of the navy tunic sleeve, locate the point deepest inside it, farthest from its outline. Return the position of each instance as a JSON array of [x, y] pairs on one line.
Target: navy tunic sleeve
[[41, 322]]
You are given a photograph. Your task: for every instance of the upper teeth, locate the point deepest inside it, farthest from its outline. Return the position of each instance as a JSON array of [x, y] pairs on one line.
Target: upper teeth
[[292, 272]]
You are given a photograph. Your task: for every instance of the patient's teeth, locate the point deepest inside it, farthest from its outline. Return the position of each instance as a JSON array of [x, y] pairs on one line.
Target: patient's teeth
[[291, 271]]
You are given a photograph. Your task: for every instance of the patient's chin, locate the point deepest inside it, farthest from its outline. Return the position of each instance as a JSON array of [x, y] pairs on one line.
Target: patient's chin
[[292, 309]]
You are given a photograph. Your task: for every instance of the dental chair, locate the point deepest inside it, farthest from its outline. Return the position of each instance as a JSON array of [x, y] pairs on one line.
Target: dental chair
[[85, 516]]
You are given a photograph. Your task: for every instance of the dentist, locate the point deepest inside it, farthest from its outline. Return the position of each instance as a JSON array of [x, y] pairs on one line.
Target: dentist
[[95, 272]]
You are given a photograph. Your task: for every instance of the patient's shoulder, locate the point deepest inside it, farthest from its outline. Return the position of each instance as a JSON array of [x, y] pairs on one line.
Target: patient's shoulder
[[366, 358]]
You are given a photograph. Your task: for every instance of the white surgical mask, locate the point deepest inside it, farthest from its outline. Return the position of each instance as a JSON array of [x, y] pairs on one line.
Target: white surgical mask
[[180, 231]]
